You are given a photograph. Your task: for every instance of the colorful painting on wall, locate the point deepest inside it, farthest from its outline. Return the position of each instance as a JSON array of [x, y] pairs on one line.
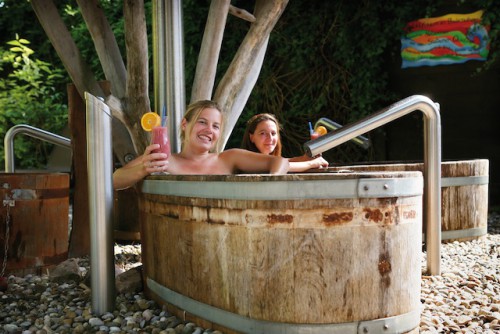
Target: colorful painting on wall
[[444, 40]]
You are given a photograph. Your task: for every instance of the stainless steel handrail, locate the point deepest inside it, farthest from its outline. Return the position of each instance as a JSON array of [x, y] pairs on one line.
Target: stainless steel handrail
[[432, 161], [32, 132], [332, 126]]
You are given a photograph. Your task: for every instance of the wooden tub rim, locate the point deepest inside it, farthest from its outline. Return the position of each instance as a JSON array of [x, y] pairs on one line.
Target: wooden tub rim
[[450, 181], [288, 187], [401, 323]]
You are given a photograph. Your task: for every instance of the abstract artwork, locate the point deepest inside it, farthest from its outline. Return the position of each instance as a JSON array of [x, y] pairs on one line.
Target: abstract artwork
[[445, 40]]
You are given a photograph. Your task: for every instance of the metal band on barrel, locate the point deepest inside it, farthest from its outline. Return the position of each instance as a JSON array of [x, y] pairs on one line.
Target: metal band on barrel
[[288, 190], [396, 324], [464, 181], [464, 233]]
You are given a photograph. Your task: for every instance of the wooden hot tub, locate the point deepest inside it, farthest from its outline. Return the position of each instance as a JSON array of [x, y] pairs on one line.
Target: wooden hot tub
[[33, 221], [300, 253], [464, 194]]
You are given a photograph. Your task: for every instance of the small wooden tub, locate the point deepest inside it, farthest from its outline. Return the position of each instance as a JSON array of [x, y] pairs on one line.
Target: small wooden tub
[[302, 253], [33, 221], [464, 195]]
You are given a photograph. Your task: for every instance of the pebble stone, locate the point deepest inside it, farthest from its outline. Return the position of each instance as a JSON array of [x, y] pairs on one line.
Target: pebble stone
[[465, 298]]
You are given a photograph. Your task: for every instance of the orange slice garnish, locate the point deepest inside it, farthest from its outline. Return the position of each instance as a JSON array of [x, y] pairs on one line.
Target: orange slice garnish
[[321, 130], [150, 120]]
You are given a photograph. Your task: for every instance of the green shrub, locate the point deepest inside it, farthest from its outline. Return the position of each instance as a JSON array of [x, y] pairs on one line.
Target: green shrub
[[28, 95]]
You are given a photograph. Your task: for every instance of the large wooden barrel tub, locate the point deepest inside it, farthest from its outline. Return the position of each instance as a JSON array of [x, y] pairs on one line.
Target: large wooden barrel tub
[[33, 221], [464, 194], [300, 253]]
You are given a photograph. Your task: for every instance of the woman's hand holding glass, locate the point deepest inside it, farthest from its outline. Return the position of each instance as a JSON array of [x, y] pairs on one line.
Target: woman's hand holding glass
[[154, 161]]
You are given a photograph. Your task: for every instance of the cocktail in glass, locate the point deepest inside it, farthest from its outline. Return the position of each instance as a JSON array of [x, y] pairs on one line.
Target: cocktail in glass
[[314, 135], [159, 136]]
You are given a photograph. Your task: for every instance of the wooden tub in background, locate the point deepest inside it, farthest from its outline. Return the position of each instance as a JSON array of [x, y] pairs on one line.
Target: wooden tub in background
[[34, 221], [301, 253], [464, 194]]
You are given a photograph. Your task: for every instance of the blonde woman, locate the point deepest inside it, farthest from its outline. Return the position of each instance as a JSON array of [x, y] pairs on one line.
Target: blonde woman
[[201, 128]]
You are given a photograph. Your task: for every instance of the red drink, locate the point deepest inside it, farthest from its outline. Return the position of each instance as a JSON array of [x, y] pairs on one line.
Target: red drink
[[315, 135], [159, 135]]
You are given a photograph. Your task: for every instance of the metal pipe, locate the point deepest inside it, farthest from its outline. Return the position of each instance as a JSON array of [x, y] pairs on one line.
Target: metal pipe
[[100, 184], [32, 132], [168, 60], [159, 57], [432, 161], [332, 126]]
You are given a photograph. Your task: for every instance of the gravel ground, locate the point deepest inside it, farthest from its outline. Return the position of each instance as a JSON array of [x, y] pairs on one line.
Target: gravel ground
[[464, 299]]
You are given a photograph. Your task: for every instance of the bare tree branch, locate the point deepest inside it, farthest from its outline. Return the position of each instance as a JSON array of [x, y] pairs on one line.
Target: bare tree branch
[[105, 45], [241, 13], [66, 49], [209, 52]]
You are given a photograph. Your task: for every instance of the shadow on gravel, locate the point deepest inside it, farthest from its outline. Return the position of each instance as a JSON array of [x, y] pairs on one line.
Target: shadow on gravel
[[494, 222]]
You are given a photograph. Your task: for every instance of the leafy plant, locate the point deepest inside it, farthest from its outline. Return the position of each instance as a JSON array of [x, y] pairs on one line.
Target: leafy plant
[[28, 95]]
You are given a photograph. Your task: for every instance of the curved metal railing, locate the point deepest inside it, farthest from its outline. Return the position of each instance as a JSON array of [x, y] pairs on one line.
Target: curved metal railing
[[32, 132], [432, 161]]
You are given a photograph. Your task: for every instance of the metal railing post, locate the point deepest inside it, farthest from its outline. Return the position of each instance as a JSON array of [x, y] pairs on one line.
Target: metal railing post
[[100, 182], [168, 65], [432, 161]]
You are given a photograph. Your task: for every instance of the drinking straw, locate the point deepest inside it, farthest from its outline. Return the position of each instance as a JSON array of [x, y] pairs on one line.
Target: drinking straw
[[311, 130], [164, 116]]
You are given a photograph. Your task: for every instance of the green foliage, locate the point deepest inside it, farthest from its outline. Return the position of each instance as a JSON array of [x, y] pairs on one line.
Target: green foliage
[[330, 59], [325, 58], [28, 96], [17, 17], [490, 18], [75, 23]]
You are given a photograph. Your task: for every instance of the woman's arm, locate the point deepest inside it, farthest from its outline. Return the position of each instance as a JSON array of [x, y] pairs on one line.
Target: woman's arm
[[251, 162], [279, 166], [139, 168], [300, 164]]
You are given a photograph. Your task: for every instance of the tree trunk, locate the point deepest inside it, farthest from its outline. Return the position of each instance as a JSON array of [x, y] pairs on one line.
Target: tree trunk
[[236, 85], [137, 95], [106, 46]]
